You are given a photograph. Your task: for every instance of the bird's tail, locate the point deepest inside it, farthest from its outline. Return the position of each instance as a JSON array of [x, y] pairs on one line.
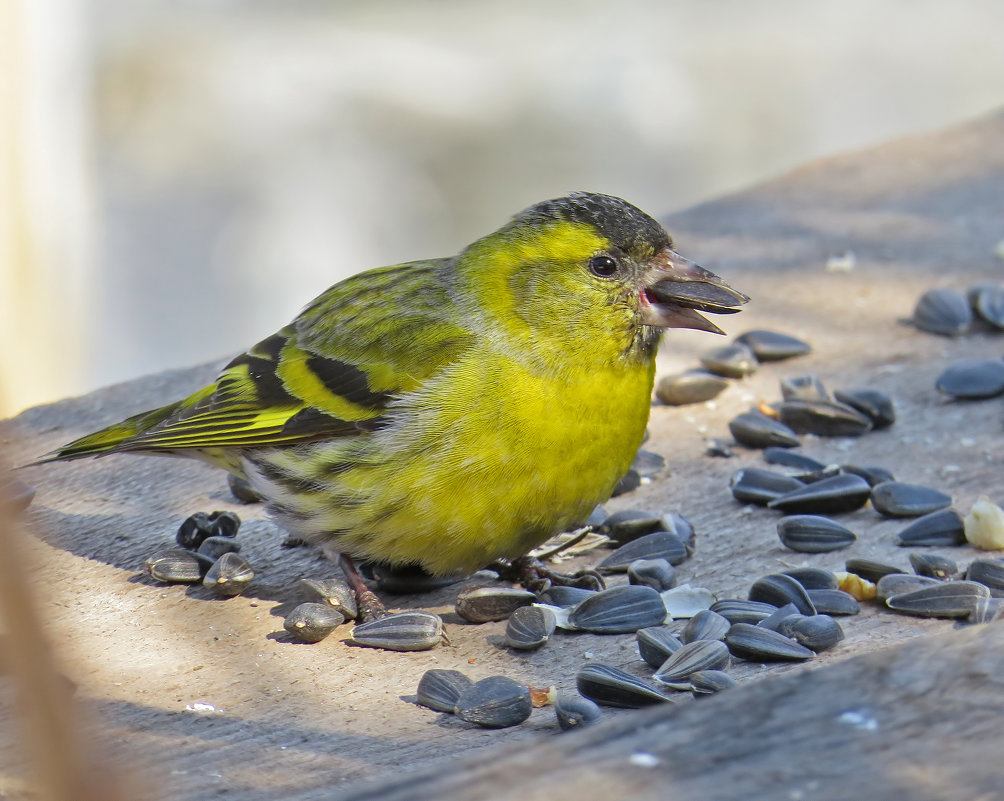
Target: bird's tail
[[113, 439]]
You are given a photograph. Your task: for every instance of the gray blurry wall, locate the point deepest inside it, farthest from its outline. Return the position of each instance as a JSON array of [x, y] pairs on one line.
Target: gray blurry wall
[[178, 178]]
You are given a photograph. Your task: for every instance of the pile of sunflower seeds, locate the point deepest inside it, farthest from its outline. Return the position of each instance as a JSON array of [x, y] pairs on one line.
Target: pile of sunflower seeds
[[785, 617], [736, 360], [207, 553]]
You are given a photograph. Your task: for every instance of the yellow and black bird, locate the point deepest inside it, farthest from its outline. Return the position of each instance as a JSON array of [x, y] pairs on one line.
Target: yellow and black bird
[[450, 412]]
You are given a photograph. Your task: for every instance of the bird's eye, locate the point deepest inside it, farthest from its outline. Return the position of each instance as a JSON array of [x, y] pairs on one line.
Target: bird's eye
[[603, 266]]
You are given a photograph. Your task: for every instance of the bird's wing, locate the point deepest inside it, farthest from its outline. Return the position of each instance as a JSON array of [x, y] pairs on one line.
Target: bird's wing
[[330, 373]]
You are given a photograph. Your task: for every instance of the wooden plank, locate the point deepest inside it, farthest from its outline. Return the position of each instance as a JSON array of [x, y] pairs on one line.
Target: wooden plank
[[299, 722], [916, 722]]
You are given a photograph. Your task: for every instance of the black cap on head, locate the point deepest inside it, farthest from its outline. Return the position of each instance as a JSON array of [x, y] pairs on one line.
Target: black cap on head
[[626, 227]]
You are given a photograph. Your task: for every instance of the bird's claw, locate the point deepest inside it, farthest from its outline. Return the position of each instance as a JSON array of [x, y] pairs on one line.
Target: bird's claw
[[536, 577], [369, 605]]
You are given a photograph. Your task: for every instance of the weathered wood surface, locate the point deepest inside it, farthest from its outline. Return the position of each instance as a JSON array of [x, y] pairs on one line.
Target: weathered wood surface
[[917, 722], [300, 722]]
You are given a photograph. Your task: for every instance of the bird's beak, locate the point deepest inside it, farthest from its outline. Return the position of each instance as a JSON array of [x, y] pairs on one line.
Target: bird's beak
[[674, 290]]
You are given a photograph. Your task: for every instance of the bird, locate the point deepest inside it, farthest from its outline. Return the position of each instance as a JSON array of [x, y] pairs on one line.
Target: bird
[[449, 412]]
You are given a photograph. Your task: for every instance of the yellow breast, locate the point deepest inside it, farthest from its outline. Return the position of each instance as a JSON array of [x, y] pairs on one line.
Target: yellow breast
[[493, 457]]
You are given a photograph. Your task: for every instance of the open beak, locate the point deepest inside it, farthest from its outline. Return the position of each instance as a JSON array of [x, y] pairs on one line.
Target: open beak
[[674, 290]]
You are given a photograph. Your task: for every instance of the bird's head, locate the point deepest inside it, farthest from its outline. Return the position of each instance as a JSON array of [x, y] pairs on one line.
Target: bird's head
[[588, 266]]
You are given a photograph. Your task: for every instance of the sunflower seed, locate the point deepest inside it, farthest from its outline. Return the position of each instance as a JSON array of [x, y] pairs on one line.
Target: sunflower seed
[[229, 576], [495, 703], [829, 471], [933, 565], [529, 627], [708, 682], [334, 592], [439, 689], [793, 459], [559, 595], [754, 429], [942, 599], [874, 475], [657, 545], [877, 406], [647, 463], [597, 518], [814, 534], [873, 571], [629, 482], [834, 602], [485, 603], [772, 346], [705, 625], [575, 712], [814, 578], [619, 609], [989, 573], [803, 387], [774, 620], [943, 311], [193, 530], [310, 622], [817, 632], [736, 610], [691, 386], [732, 361], [694, 656], [823, 418], [677, 524], [972, 379], [941, 528], [178, 566], [753, 485], [899, 499], [611, 686], [630, 524], [779, 589], [404, 631], [215, 547], [901, 583], [656, 644], [224, 524], [763, 645], [242, 490], [988, 303], [987, 610], [841, 493], [655, 573]]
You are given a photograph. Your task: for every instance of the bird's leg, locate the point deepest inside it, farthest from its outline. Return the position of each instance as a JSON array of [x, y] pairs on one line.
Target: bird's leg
[[370, 607], [536, 577]]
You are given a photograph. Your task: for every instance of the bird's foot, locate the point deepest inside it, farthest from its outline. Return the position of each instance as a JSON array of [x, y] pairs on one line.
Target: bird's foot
[[370, 606], [536, 577]]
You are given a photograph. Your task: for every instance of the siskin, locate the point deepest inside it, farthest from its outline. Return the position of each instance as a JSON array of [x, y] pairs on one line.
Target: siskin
[[450, 412]]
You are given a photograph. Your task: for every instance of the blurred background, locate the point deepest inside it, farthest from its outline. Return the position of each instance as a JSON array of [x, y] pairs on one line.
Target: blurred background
[[178, 178]]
